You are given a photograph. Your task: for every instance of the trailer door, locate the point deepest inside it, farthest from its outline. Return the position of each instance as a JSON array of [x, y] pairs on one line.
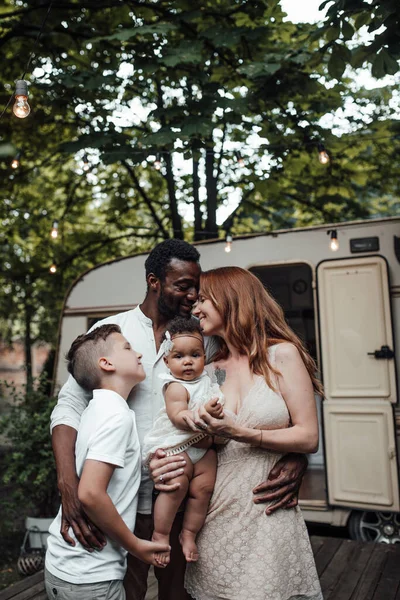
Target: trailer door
[[360, 384]]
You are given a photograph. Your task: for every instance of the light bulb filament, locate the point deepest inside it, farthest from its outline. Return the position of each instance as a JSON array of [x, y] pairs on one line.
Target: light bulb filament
[[333, 243], [21, 108]]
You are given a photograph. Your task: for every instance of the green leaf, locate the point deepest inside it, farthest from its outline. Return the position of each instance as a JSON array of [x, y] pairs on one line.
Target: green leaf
[[197, 128], [391, 64], [162, 137], [336, 64], [322, 6], [347, 30], [378, 66], [333, 33], [257, 69], [124, 35], [359, 57], [187, 52], [362, 19]]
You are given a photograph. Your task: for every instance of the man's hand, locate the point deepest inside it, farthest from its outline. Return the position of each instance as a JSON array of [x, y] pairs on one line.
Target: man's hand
[[73, 516], [214, 408], [283, 483], [164, 468]]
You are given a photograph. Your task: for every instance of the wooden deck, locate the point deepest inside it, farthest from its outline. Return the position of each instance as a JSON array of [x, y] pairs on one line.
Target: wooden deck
[[348, 571]]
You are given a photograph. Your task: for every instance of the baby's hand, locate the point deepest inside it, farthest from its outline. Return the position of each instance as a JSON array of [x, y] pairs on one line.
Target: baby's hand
[[152, 553], [214, 408]]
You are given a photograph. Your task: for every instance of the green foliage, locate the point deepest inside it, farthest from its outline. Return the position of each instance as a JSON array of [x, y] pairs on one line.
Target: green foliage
[[343, 22], [29, 470], [124, 82]]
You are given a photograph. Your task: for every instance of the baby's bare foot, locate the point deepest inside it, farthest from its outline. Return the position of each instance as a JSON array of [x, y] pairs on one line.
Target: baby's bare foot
[[188, 543], [162, 558]]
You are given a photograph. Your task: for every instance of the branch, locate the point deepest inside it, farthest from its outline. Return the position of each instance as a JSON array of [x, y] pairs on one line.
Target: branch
[[147, 200]]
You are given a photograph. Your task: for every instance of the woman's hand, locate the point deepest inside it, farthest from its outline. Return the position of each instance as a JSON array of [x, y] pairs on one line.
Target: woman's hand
[[163, 468], [224, 426]]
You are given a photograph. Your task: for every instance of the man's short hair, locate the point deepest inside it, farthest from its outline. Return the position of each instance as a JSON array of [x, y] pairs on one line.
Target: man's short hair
[[85, 352], [181, 325], [159, 258]]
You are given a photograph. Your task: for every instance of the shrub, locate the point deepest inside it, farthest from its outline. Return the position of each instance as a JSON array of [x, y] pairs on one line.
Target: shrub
[[28, 464]]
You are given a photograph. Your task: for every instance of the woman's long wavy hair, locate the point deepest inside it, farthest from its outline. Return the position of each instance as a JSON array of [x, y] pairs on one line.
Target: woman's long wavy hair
[[253, 320]]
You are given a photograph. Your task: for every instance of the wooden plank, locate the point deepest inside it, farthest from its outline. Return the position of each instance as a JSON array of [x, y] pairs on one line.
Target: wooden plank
[[316, 543], [26, 583], [352, 573], [337, 566], [390, 578], [386, 589], [326, 554], [372, 573], [31, 592]]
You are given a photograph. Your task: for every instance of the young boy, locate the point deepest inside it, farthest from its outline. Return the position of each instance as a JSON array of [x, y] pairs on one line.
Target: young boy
[[108, 463]]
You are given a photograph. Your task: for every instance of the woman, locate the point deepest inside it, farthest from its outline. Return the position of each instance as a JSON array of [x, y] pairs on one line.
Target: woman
[[269, 384]]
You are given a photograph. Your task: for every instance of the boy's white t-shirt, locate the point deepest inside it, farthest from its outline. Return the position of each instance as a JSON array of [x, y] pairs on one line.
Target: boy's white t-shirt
[[107, 433]]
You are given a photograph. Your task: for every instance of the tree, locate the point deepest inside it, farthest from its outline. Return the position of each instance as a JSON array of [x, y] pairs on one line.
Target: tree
[[129, 82], [345, 45]]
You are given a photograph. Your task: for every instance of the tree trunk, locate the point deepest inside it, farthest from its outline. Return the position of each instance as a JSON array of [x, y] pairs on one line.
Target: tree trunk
[[211, 184], [198, 217], [28, 342], [175, 216]]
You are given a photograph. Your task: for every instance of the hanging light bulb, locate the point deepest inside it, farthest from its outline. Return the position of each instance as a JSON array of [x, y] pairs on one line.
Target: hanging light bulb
[[323, 156], [85, 162], [240, 159], [54, 231], [333, 244], [157, 162], [21, 108], [16, 160], [53, 268], [228, 243]]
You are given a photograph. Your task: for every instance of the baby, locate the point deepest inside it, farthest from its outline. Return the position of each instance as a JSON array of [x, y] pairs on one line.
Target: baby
[[186, 387]]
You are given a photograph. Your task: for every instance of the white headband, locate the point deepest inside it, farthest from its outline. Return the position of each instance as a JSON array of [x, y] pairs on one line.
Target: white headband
[[168, 344]]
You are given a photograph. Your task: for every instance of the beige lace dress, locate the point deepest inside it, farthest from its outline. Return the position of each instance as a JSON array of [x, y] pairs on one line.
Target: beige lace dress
[[243, 552]]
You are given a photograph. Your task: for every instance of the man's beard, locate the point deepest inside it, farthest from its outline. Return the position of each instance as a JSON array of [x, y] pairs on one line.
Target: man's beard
[[165, 309]]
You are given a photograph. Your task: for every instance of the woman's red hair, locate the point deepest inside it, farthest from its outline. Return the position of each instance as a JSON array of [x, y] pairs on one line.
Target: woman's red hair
[[253, 320]]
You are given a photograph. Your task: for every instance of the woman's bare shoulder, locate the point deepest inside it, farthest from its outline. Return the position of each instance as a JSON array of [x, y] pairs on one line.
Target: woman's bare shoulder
[[286, 352]]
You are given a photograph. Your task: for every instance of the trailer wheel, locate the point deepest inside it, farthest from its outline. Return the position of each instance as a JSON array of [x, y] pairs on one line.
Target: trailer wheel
[[379, 527]]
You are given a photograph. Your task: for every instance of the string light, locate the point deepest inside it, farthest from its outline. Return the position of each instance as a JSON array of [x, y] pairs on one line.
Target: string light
[[240, 159], [323, 156], [16, 160], [21, 108], [334, 243], [54, 231], [228, 243], [85, 162], [53, 268], [157, 162]]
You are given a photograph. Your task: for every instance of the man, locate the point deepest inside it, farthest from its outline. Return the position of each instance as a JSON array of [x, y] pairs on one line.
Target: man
[[172, 275]]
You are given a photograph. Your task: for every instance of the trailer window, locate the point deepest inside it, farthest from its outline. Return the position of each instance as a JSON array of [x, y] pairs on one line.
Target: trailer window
[[291, 286]]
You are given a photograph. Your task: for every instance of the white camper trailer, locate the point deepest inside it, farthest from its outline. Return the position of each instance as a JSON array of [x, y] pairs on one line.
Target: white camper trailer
[[345, 305]]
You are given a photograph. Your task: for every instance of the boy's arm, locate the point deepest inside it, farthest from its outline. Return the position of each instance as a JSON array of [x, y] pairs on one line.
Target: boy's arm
[[65, 418], [176, 404], [92, 493]]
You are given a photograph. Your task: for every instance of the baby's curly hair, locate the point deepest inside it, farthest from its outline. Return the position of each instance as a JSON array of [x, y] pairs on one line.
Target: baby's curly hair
[[181, 325]]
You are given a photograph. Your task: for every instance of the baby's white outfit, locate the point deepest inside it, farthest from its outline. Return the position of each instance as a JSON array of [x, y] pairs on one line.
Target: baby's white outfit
[[165, 435]]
